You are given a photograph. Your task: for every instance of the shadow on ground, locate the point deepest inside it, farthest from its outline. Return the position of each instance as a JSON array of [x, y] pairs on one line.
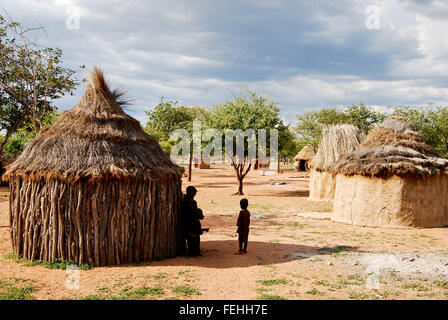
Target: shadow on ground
[[224, 185], [221, 254], [284, 193]]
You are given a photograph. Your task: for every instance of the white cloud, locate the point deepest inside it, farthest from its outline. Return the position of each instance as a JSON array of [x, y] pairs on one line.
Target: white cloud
[[172, 60], [295, 94], [431, 37], [305, 55]]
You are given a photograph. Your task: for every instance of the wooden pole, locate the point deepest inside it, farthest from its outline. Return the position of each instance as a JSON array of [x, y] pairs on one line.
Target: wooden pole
[[112, 222]]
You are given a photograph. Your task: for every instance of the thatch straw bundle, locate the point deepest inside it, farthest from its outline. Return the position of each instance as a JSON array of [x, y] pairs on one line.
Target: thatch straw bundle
[[393, 148], [336, 142], [307, 153], [95, 188]]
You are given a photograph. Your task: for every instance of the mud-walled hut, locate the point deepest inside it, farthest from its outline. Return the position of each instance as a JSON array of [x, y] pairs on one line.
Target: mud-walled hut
[[393, 180]]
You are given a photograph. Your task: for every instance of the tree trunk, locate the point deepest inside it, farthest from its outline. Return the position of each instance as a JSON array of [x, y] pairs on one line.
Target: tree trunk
[[240, 186], [189, 166], [2, 146], [8, 135], [239, 168]]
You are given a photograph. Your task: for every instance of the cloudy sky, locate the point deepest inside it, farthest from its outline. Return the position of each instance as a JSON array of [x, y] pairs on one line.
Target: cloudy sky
[[305, 54]]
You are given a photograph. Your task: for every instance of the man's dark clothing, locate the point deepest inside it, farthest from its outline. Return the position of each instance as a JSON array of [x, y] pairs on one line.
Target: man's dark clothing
[[189, 207], [191, 226]]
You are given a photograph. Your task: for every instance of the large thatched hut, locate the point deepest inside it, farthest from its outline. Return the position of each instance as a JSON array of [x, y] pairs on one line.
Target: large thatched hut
[[302, 158], [95, 188], [336, 141], [393, 180]]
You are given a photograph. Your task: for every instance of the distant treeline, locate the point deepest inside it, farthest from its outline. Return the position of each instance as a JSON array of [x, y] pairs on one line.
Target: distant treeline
[[431, 121]]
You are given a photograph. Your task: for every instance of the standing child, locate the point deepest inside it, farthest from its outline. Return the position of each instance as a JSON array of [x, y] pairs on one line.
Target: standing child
[[243, 226]]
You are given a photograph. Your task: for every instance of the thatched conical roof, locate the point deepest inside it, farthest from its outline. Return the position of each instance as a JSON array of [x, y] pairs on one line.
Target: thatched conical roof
[[307, 153], [95, 140], [336, 142], [393, 148]]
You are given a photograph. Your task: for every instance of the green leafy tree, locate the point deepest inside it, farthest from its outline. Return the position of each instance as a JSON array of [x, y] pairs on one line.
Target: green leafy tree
[[248, 111], [363, 117], [289, 144], [166, 117], [31, 79], [439, 119], [432, 124], [16, 143], [310, 125], [10, 119]]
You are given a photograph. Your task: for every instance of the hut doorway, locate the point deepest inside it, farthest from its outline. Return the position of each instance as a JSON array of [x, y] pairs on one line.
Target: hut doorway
[[302, 158]]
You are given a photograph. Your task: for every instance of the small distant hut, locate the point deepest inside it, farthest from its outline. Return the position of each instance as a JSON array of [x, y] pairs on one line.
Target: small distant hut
[[302, 159], [393, 180], [95, 188], [336, 141]]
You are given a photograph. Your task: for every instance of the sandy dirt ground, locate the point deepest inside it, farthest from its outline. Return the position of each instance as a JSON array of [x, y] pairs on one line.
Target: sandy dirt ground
[[294, 252]]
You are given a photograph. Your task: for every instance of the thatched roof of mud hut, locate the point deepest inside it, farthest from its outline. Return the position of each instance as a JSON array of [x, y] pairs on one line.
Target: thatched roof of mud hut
[[393, 148], [336, 142], [95, 140], [307, 153]]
